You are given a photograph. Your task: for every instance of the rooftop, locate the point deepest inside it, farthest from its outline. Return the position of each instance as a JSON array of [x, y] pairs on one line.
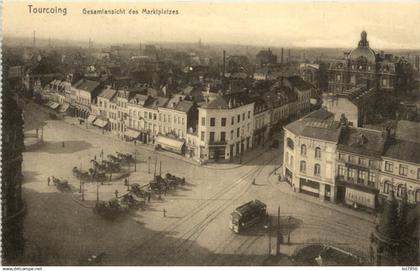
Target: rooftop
[[316, 125], [108, 93], [86, 85], [403, 150], [362, 141]]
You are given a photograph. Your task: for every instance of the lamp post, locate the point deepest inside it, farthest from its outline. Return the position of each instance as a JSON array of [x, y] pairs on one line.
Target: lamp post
[[149, 165], [135, 160]]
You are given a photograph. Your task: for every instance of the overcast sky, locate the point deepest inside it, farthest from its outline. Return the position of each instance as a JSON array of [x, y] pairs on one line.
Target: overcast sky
[[389, 25]]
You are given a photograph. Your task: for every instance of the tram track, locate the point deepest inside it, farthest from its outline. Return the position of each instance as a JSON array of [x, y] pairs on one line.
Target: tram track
[[196, 210]]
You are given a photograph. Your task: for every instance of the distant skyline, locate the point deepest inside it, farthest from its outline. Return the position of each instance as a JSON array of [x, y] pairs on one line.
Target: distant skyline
[[389, 25]]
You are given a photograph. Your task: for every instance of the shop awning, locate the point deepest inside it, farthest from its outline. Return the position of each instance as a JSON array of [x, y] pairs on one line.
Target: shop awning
[[54, 105], [91, 118], [168, 143], [64, 108], [357, 196], [100, 123], [132, 133]]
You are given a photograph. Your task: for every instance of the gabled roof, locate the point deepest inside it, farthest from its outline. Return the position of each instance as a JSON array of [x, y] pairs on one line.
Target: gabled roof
[[139, 99], [184, 106], [155, 102], [86, 85], [298, 83]]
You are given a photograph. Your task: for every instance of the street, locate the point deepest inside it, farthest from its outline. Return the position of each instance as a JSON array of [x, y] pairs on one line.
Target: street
[[61, 229]]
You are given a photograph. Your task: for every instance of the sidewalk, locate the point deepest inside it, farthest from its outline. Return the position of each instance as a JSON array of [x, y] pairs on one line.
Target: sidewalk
[[246, 158], [285, 188]]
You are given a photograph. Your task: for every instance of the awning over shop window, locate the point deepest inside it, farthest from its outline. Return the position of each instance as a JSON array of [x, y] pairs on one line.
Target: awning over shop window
[[364, 198], [91, 118], [64, 108], [100, 123], [170, 144], [132, 133], [54, 105]]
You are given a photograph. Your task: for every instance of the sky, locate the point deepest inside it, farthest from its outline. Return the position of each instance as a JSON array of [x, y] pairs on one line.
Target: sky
[[390, 25]]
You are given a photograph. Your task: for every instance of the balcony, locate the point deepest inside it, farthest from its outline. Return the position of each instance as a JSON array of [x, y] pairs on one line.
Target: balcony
[[217, 143]]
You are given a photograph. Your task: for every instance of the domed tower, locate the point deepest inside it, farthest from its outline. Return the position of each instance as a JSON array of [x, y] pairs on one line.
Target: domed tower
[[363, 50]]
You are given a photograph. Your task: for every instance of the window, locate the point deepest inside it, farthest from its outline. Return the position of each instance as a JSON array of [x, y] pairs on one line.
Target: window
[[290, 143], [150, 115], [175, 118], [341, 171], [352, 173], [223, 122], [233, 121], [222, 136], [418, 195], [318, 152], [362, 177], [371, 164], [237, 132], [212, 122], [302, 166], [362, 161], [243, 116], [388, 166], [303, 150], [154, 116], [341, 157], [145, 115], [249, 114], [164, 118], [202, 136], [403, 170], [247, 128], [211, 137], [231, 135], [239, 118], [169, 118], [371, 181], [387, 187], [400, 190], [418, 173], [203, 121], [317, 170]]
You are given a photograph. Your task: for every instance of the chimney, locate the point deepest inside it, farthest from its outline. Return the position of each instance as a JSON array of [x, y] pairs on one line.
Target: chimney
[[224, 63], [282, 55]]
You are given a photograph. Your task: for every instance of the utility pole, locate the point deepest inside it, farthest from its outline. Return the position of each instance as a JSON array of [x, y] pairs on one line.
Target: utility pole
[[97, 190], [269, 236], [278, 233], [149, 165]]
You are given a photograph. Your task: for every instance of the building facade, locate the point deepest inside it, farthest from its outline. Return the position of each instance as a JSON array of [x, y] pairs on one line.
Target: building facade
[[309, 154], [225, 127], [362, 66]]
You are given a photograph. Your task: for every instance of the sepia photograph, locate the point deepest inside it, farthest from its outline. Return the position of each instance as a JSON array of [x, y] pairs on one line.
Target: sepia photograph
[[203, 133]]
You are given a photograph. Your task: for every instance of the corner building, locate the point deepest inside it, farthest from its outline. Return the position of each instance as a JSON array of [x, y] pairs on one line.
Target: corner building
[[309, 154]]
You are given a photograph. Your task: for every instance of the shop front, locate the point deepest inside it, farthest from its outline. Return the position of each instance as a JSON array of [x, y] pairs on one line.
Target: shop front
[[360, 196], [131, 134], [309, 187]]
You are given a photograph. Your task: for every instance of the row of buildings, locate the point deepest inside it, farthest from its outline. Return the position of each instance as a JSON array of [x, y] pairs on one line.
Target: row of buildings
[[212, 125], [335, 161]]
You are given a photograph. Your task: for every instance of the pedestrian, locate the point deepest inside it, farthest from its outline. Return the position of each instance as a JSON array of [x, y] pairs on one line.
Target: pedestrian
[[116, 194], [253, 181], [62, 144], [135, 142], [164, 212], [95, 157], [125, 182], [49, 180], [148, 197]]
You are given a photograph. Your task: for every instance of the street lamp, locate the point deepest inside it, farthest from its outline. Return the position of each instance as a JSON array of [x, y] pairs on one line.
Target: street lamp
[[135, 160]]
